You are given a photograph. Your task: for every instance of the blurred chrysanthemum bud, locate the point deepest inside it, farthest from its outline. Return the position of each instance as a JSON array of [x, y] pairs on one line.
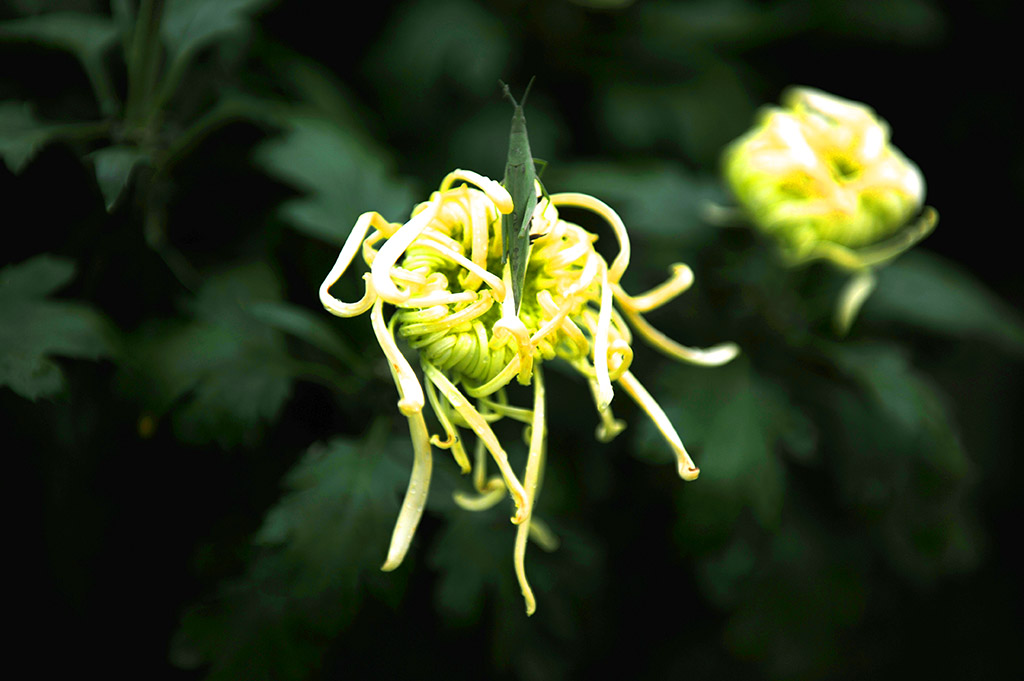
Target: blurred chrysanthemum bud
[[442, 273], [820, 176]]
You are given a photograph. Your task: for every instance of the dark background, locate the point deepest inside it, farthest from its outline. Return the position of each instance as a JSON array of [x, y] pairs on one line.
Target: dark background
[[116, 535]]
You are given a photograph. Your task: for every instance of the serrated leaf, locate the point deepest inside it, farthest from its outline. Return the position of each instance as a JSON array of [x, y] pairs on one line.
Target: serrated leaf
[[337, 517], [925, 290], [472, 555], [85, 35], [114, 167], [340, 174], [21, 135], [321, 549], [33, 328], [189, 25], [225, 373], [658, 200]]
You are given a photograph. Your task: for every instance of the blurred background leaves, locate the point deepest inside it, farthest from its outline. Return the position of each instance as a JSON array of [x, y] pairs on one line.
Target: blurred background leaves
[[213, 464]]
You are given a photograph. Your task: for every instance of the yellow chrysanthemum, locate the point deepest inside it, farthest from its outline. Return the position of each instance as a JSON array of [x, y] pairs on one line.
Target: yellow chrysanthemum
[[821, 177], [440, 271]]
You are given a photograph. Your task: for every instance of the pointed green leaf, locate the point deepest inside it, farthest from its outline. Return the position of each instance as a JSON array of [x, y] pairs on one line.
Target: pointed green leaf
[[114, 167], [935, 294], [336, 519], [33, 328], [189, 25], [21, 135]]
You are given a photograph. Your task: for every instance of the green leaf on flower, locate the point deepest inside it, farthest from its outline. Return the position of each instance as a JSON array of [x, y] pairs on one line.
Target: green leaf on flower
[[932, 293], [114, 167], [33, 329], [225, 373], [319, 556], [341, 176]]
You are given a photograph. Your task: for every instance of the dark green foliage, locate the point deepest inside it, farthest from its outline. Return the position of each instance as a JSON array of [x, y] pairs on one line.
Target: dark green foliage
[[927, 291], [341, 176], [114, 167], [21, 135], [224, 372], [190, 25], [211, 494], [318, 557], [34, 328]]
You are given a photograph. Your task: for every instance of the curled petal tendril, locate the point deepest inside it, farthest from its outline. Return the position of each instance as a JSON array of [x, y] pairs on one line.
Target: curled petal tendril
[[439, 270]]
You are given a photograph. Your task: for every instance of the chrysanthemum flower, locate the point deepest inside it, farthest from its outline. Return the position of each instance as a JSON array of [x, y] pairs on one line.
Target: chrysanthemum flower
[[820, 176], [440, 271]]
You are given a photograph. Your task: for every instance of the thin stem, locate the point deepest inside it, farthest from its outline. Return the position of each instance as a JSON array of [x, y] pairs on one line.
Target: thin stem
[[143, 59], [102, 88]]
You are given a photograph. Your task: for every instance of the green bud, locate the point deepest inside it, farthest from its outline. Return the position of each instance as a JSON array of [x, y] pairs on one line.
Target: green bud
[[820, 171]]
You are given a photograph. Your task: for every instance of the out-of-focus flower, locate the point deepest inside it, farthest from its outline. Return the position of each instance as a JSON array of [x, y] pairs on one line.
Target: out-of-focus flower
[[820, 176], [439, 270]]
